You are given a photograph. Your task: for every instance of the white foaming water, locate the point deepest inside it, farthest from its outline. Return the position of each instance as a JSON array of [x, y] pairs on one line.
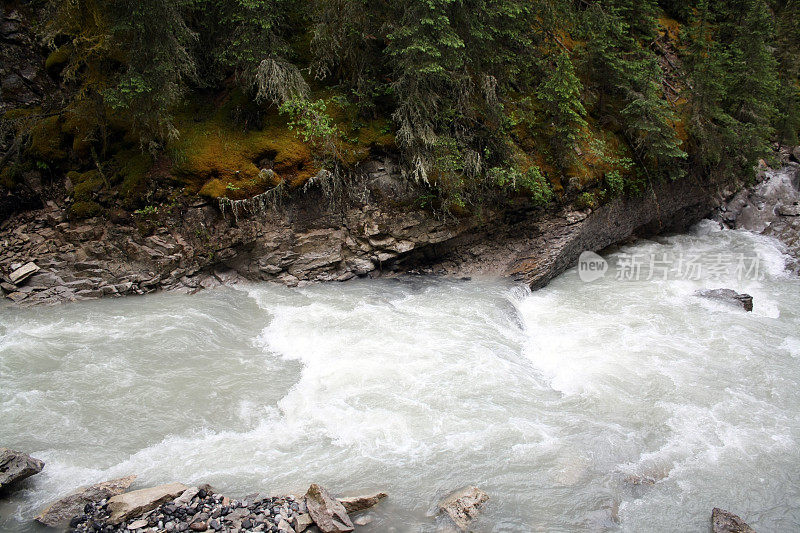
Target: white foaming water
[[546, 400]]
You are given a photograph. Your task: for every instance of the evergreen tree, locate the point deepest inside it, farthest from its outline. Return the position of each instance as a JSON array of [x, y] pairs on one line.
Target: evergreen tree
[[626, 69], [248, 38], [131, 56], [733, 83], [560, 94]]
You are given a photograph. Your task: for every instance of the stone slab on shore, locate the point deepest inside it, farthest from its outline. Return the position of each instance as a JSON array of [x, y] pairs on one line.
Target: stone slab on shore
[[60, 512]]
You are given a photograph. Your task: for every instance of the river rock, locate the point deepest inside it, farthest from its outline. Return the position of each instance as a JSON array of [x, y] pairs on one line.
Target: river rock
[[355, 504], [463, 506], [725, 522], [138, 524], [138, 502], [329, 515], [22, 273], [745, 301], [59, 513], [302, 522], [16, 466]]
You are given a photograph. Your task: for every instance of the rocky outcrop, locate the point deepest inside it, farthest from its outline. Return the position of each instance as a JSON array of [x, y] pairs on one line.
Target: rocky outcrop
[[463, 506], [728, 296], [328, 514], [60, 512], [16, 466], [355, 504], [138, 502], [725, 522], [193, 246], [24, 82], [770, 207]]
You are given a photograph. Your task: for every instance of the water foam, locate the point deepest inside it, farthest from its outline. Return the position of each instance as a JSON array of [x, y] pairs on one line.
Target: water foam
[[547, 400]]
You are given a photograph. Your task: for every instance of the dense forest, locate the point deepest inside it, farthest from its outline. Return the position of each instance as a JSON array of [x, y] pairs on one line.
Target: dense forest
[[480, 101]]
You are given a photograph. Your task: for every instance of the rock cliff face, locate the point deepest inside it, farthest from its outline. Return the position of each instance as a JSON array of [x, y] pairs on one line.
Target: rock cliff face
[[195, 246], [770, 207]]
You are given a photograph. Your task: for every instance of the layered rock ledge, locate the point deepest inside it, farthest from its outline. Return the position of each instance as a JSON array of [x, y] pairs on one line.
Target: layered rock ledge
[[191, 246]]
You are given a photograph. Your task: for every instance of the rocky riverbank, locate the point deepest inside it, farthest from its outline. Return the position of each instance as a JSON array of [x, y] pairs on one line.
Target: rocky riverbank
[[770, 207], [194, 245]]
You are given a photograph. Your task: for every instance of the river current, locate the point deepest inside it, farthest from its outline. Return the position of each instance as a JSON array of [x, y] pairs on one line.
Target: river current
[[621, 404]]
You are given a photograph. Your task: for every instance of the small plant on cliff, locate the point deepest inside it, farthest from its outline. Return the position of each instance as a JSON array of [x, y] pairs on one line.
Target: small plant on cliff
[[147, 211], [310, 119]]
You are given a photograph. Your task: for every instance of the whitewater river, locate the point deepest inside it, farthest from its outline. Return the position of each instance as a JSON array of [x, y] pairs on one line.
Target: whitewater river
[[553, 402]]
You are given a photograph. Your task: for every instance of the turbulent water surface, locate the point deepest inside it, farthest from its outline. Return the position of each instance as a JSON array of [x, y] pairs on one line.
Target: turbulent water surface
[[553, 402]]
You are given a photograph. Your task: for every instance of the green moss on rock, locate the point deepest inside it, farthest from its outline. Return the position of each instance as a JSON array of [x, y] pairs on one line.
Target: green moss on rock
[[47, 140], [58, 58], [132, 172], [80, 210], [85, 184]]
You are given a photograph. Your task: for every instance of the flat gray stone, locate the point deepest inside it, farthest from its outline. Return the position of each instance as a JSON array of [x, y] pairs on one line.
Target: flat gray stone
[[59, 513], [22, 273], [138, 502], [355, 504]]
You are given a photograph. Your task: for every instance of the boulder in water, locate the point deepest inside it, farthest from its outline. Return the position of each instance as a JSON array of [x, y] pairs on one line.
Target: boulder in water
[[359, 503], [463, 506], [745, 301], [16, 466], [138, 502], [725, 522], [326, 511], [59, 513]]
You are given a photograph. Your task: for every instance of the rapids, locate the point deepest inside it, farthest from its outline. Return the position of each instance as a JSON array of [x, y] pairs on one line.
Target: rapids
[[551, 401]]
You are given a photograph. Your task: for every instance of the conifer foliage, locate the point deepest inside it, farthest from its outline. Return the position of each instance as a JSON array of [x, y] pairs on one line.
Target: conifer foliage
[[478, 93]]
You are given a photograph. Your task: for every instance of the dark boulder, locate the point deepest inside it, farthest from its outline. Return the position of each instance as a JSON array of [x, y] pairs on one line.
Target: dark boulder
[[16, 466], [745, 301]]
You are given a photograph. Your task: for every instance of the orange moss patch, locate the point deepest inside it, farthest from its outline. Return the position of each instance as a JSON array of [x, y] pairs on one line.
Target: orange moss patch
[[597, 159], [216, 158], [669, 27]]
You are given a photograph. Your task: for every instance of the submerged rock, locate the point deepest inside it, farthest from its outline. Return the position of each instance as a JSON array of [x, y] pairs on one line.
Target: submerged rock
[[16, 466], [463, 506], [59, 513], [359, 503], [745, 301], [138, 502], [725, 522], [329, 515]]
